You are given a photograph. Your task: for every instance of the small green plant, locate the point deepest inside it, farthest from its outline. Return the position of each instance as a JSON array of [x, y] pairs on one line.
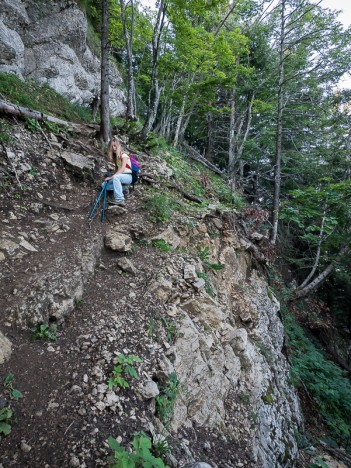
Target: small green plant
[[45, 332], [141, 455], [8, 384], [162, 245], [52, 126], [166, 399], [160, 445], [33, 125], [5, 131], [33, 172], [5, 420], [170, 329], [266, 352], [208, 285], [123, 370], [244, 398], [318, 462], [151, 329], [78, 302], [160, 208], [253, 418], [204, 254]]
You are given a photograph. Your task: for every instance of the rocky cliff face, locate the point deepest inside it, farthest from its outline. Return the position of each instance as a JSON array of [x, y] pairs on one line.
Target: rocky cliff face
[[111, 291], [47, 41]]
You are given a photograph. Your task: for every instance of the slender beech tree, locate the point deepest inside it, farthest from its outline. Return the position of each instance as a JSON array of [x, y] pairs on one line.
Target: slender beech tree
[[128, 39], [155, 91], [105, 131]]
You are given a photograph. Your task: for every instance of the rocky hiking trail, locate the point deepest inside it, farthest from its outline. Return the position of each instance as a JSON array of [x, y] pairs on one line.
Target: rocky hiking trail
[[110, 290], [57, 270]]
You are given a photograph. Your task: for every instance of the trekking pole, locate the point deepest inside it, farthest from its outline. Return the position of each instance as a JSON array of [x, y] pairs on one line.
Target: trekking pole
[[103, 190], [104, 205]]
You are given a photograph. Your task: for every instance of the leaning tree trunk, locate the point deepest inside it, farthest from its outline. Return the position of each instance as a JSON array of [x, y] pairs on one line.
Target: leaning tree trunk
[[105, 131], [279, 134], [185, 123], [300, 293]]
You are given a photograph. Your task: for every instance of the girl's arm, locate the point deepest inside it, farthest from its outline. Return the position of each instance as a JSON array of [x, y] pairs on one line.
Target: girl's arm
[[120, 170]]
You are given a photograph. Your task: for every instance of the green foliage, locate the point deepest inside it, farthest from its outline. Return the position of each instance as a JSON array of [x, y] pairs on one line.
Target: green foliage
[[162, 245], [54, 128], [5, 420], [208, 284], [141, 455], [41, 98], [8, 384], [170, 329], [45, 332], [166, 399], [326, 382], [160, 208], [123, 370], [5, 131], [78, 302], [33, 125], [203, 254]]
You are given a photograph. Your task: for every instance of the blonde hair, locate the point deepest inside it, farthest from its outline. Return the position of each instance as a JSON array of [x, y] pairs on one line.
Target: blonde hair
[[111, 155]]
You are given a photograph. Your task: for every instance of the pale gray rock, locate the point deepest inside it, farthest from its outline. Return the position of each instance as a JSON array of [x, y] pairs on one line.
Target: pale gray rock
[[199, 284], [204, 307], [48, 42], [190, 272], [8, 246], [162, 289], [25, 447], [11, 51], [79, 164], [169, 236], [5, 348], [126, 265], [198, 465], [26, 245], [118, 241], [204, 403], [111, 399], [149, 390]]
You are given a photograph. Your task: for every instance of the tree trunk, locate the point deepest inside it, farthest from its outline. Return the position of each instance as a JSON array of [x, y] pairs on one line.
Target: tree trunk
[[128, 38], [105, 131], [154, 94], [300, 293], [210, 137], [279, 134], [179, 123], [185, 123], [232, 146], [13, 109], [318, 253]]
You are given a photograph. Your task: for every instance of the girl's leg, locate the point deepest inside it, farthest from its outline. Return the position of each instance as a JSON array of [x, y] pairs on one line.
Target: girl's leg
[[118, 179]]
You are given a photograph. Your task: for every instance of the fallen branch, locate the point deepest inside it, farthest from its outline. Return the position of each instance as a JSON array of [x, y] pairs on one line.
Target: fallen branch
[[196, 156], [7, 107], [148, 178], [185, 194]]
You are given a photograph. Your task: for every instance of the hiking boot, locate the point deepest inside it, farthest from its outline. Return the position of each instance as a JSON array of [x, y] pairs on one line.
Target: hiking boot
[[117, 202], [125, 191]]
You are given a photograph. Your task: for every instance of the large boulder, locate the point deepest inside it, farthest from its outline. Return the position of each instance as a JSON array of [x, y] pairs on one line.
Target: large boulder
[[47, 42], [11, 50]]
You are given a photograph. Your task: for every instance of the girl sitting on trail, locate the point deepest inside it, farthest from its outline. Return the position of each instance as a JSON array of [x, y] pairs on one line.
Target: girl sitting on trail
[[123, 171]]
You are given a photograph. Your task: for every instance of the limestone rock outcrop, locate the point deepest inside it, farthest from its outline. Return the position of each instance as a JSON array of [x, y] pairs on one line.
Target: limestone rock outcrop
[[47, 41]]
